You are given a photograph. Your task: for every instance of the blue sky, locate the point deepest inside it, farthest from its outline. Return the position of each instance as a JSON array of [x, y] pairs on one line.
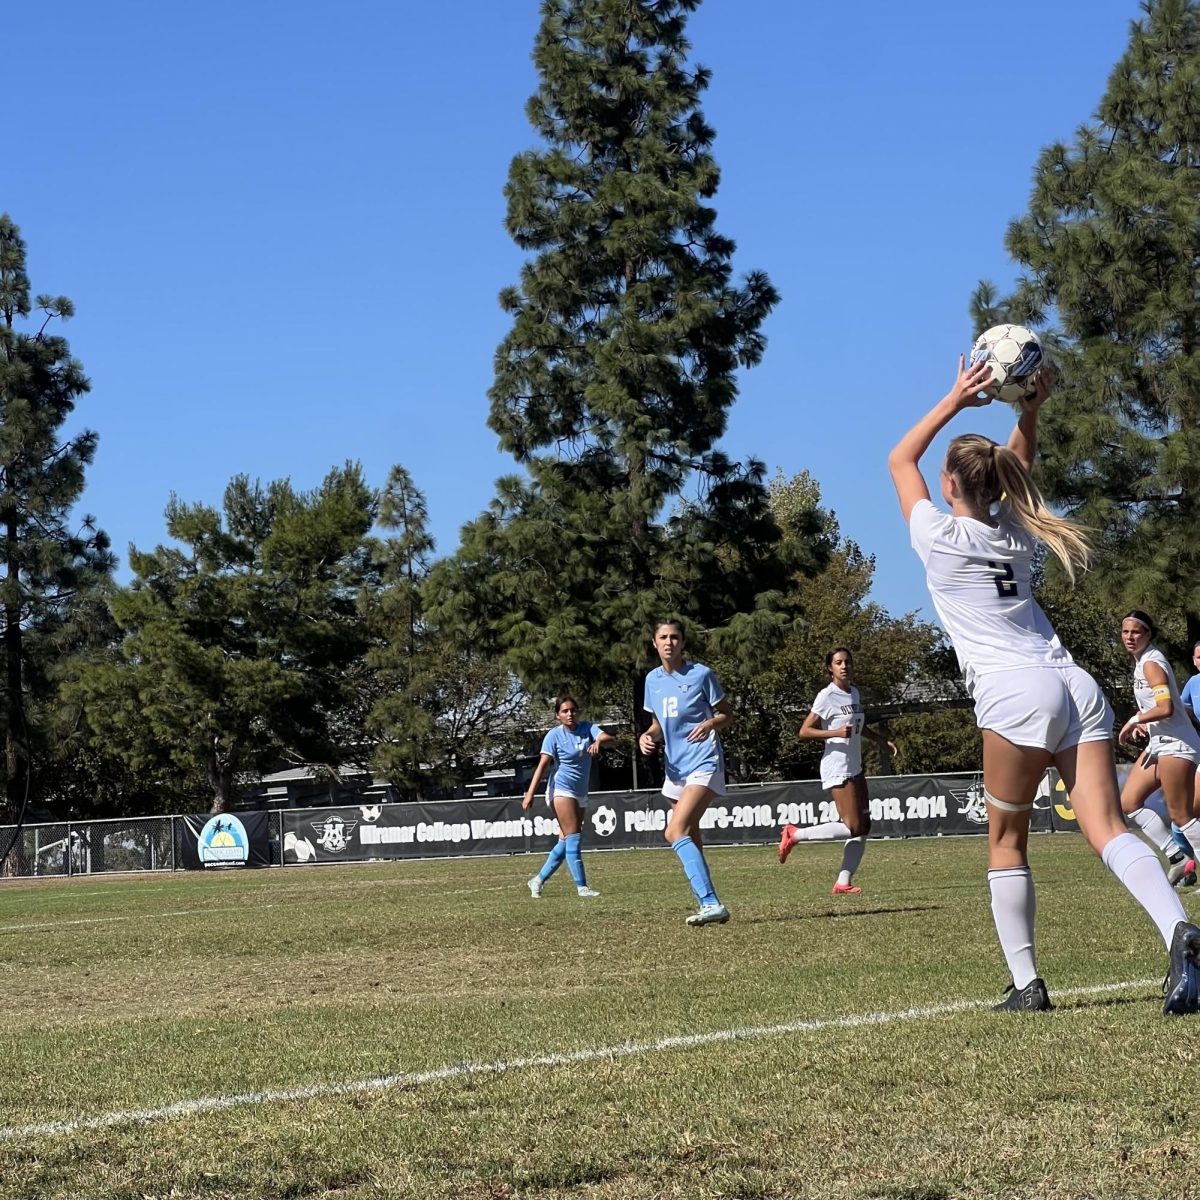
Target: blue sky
[[281, 225]]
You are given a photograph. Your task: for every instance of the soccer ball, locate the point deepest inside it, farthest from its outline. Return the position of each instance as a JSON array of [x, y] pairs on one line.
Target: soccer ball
[[1014, 354]]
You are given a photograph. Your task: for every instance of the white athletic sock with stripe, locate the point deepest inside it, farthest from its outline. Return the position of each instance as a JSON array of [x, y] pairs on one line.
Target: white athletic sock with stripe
[[1154, 827], [831, 831], [1013, 907], [851, 858], [1136, 866]]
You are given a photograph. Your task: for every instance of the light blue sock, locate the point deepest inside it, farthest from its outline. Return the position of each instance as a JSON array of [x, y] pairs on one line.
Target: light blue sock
[[1180, 839], [553, 861], [696, 870], [575, 858]]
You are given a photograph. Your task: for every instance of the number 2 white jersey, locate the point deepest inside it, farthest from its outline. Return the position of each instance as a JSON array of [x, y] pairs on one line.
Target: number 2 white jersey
[[978, 578]]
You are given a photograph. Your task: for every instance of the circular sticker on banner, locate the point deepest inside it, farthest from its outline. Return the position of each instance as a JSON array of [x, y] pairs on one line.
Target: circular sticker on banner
[[223, 842]]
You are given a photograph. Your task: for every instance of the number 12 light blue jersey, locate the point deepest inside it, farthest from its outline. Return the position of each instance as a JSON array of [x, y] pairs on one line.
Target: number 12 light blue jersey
[[681, 700]]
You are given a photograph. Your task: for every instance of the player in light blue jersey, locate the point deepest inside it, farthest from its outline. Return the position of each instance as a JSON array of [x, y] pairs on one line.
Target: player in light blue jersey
[[567, 753], [1191, 691], [687, 707]]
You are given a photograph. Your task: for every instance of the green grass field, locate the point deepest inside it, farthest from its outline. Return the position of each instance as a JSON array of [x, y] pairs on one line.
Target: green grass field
[[135, 994]]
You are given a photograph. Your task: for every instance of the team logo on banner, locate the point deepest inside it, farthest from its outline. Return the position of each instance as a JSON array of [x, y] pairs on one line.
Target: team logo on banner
[[971, 802], [333, 833], [604, 821], [223, 840]]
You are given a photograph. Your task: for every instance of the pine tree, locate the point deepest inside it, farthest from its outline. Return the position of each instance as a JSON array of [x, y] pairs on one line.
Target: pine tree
[[236, 641], [1110, 251], [437, 705], [614, 382], [46, 562]]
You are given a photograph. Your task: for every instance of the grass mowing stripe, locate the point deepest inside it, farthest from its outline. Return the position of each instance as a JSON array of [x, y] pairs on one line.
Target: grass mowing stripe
[[188, 1108]]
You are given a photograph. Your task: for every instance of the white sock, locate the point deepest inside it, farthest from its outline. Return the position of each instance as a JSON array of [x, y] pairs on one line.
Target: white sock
[[851, 858], [1154, 827], [831, 831], [1013, 907], [1134, 864]]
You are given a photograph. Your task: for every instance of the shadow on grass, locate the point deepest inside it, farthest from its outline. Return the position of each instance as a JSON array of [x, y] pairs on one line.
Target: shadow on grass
[[839, 913]]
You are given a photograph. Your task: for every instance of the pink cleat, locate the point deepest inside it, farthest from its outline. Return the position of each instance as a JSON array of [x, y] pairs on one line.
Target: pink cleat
[[786, 841], [846, 889]]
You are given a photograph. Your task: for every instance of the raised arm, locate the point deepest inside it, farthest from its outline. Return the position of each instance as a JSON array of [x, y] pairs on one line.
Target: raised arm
[[1023, 440], [602, 739], [904, 460]]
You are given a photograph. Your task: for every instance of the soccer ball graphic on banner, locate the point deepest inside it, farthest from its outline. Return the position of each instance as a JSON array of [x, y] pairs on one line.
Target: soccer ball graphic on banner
[[1014, 354], [604, 821]]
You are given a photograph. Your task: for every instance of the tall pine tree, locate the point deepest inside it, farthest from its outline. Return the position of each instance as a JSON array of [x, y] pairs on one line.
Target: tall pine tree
[[438, 708], [47, 562], [1110, 251], [615, 380]]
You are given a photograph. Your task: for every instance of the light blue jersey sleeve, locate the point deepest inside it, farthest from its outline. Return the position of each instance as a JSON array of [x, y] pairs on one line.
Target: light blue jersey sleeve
[[1191, 694]]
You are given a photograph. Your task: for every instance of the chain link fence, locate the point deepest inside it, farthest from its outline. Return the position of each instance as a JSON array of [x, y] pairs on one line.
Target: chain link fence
[[91, 847]]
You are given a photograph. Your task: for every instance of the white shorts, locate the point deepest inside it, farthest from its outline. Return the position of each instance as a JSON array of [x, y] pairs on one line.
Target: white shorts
[[1044, 708], [582, 801], [836, 779], [1163, 746], [713, 780]]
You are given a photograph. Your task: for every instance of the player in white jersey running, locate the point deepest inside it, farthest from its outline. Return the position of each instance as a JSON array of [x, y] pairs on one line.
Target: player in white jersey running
[[687, 708], [1035, 707], [837, 719], [1172, 748]]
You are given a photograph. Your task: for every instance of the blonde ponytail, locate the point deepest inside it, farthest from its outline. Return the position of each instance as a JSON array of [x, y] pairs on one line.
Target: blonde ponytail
[[986, 471], [1068, 540]]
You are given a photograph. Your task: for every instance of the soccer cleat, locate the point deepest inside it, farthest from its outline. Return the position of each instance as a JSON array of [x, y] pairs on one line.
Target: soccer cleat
[[787, 840], [1189, 880], [1033, 997], [846, 889], [1178, 872], [586, 892], [710, 914], [535, 887], [1182, 985]]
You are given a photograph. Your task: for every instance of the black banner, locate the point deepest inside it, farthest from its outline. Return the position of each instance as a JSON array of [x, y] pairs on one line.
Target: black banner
[[901, 806], [227, 840]]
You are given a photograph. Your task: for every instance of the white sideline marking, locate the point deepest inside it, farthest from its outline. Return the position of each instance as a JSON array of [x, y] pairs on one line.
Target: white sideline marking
[[183, 912], [320, 1091]]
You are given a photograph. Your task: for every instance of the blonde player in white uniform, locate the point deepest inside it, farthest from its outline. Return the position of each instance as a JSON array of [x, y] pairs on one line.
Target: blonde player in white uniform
[[1033, 704], [1172, 745], [836, 718]]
